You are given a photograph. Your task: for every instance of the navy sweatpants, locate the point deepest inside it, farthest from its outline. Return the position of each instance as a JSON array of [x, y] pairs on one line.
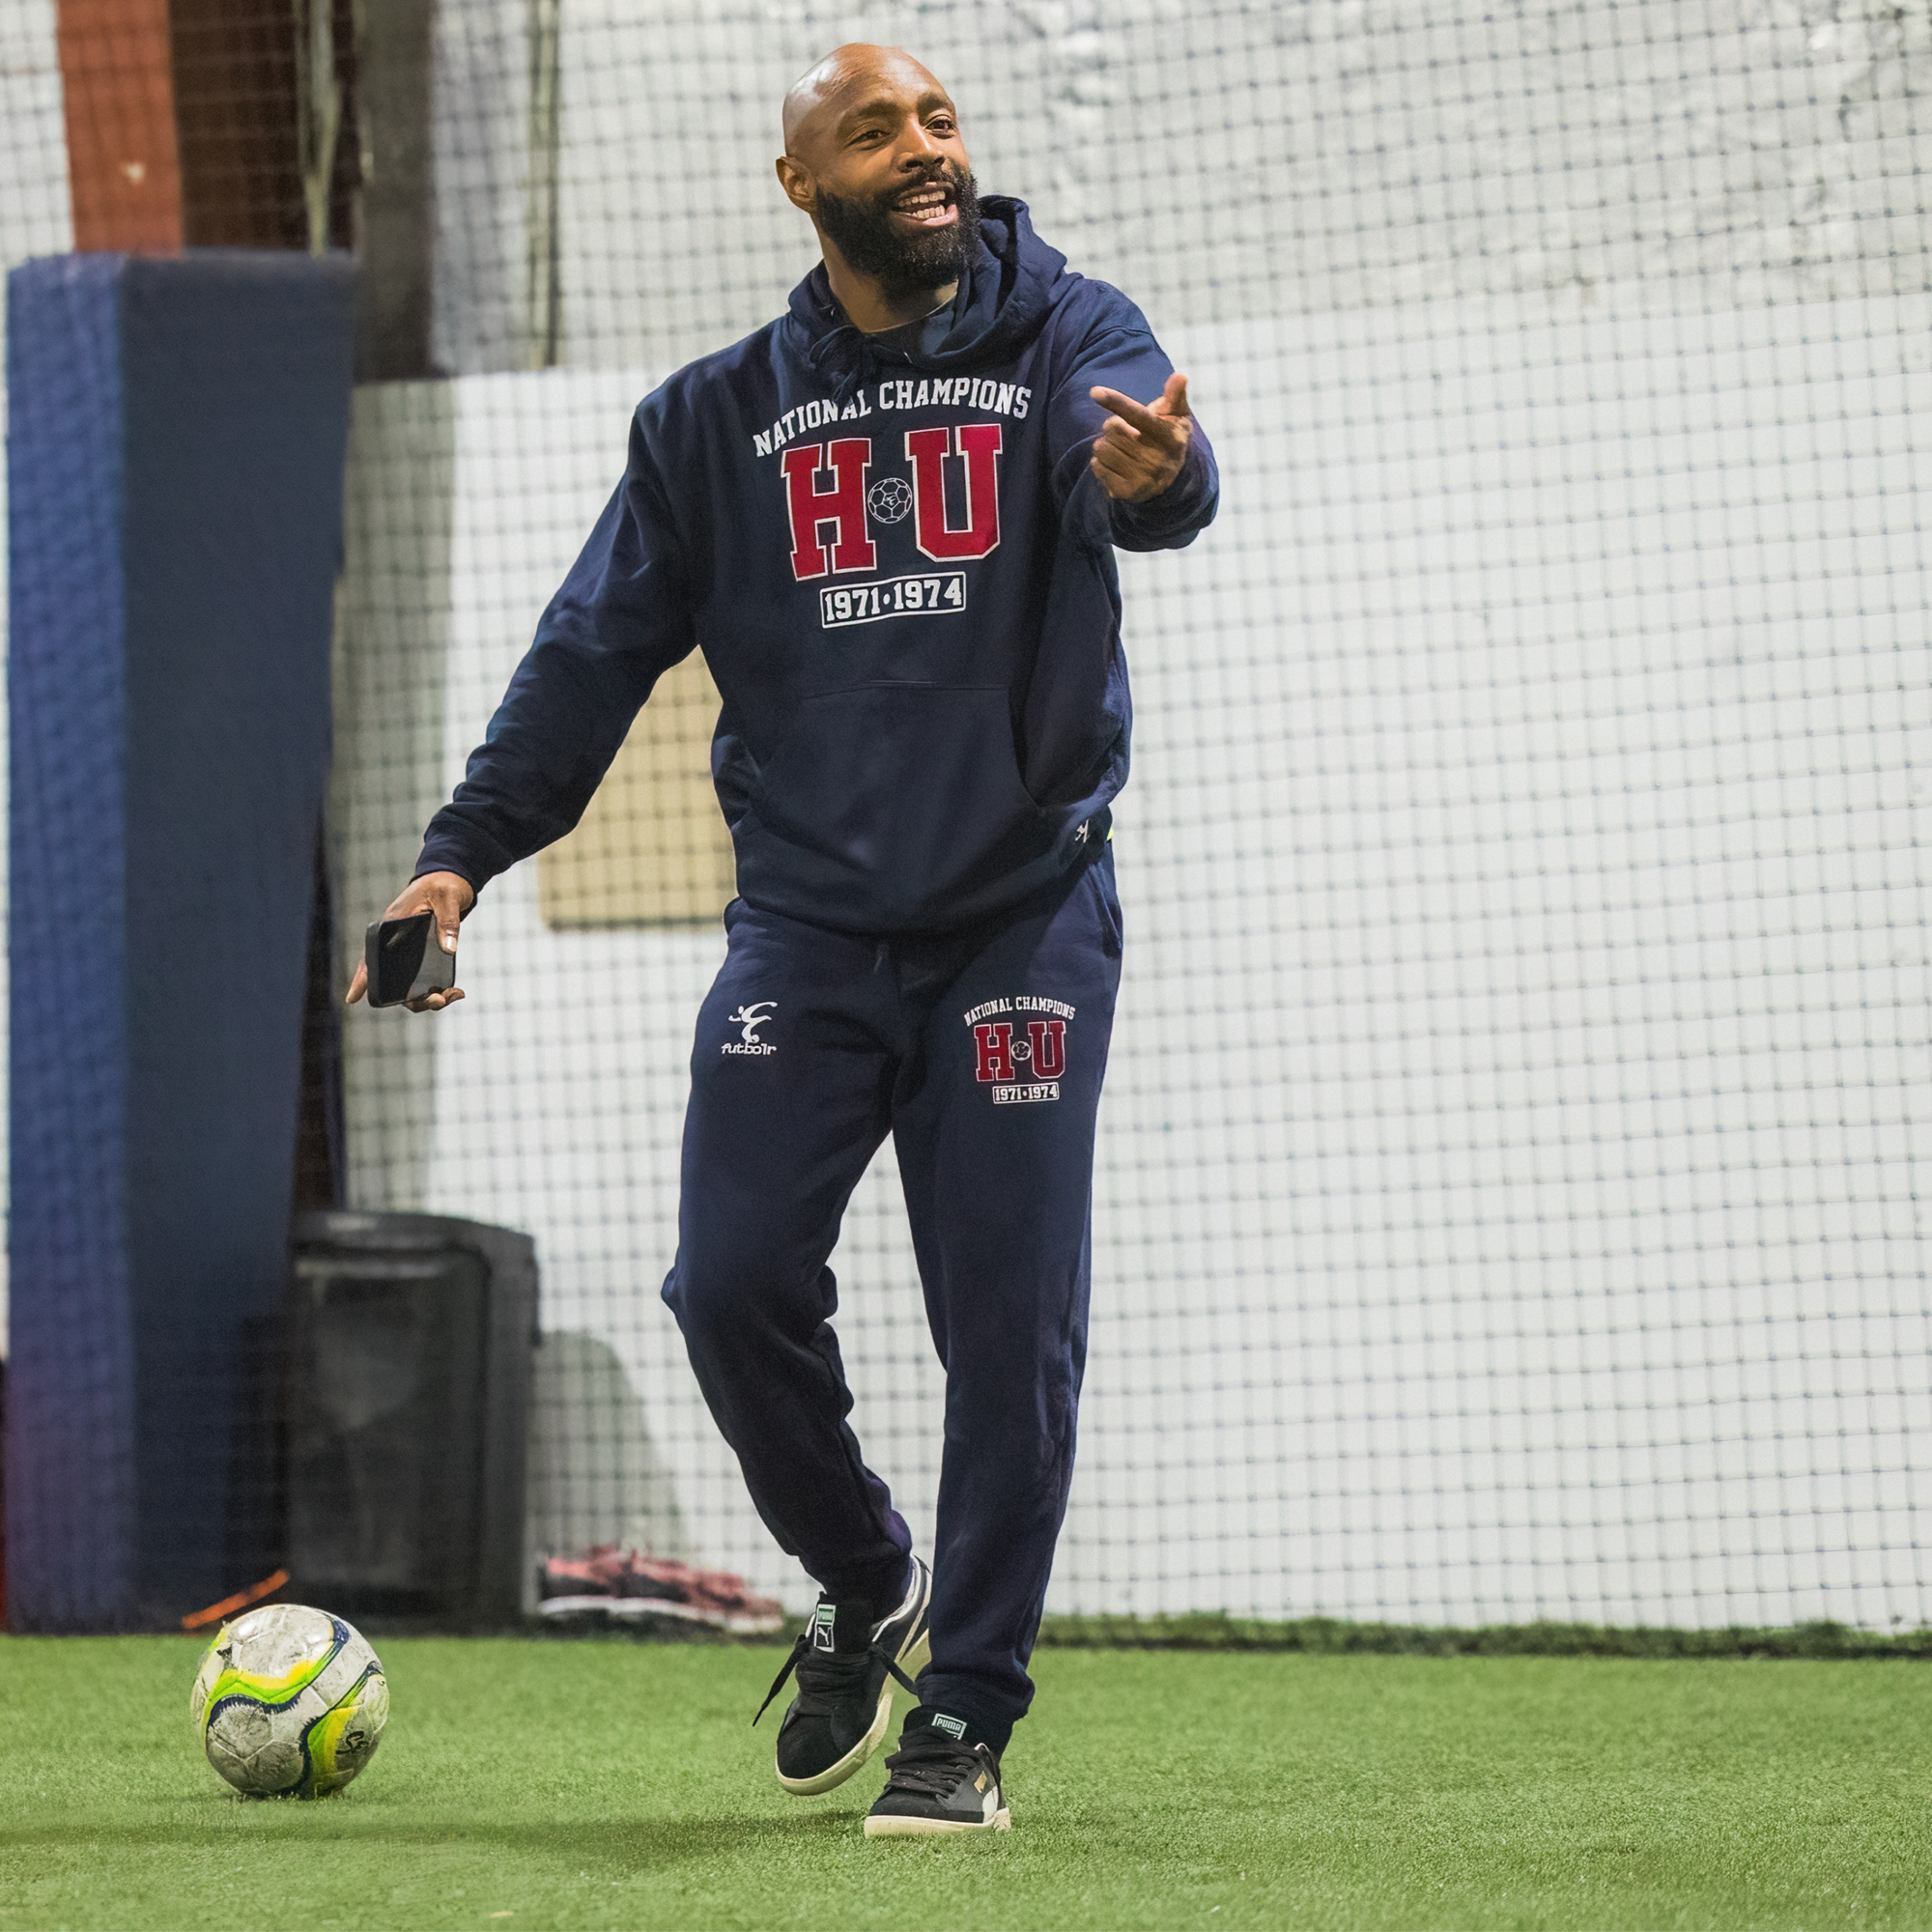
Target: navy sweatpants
[[982, 1054]]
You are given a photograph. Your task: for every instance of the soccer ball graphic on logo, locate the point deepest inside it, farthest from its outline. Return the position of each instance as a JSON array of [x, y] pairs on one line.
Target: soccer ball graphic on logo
[[289, 1702], [890, 499]]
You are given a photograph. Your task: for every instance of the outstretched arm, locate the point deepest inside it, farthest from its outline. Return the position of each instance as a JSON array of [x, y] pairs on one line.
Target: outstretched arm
[[1127, 438], [621, 619]]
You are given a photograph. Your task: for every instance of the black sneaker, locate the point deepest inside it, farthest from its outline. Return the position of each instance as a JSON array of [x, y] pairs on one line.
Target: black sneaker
[[939, 1782], [844, 1699]]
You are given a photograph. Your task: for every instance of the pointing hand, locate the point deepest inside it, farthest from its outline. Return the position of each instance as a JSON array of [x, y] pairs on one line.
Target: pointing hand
[[1140, 451]]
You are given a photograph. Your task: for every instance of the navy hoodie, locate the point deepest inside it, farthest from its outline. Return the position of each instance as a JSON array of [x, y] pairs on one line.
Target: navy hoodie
[[900, 571]]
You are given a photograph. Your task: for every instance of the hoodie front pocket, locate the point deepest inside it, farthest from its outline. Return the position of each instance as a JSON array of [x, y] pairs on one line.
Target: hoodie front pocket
[[912, 781]]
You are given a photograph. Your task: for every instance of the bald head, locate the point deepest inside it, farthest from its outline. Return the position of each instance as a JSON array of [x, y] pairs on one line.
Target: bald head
[[874, 156], [847, 80]]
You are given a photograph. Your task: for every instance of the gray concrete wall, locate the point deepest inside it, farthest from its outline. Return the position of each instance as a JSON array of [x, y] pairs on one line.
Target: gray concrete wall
[[1244, 161]]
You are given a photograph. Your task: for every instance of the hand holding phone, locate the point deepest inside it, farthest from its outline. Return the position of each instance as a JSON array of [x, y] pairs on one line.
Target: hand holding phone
[[405, 961], [410, 953]]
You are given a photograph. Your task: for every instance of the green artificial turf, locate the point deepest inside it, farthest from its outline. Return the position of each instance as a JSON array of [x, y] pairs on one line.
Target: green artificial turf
[[528, 1785]]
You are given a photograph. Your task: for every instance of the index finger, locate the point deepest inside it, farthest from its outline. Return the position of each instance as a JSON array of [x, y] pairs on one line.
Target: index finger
[[1128, 410]]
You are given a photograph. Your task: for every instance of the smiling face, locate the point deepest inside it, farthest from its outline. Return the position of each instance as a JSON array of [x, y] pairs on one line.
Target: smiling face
[[873, 155]]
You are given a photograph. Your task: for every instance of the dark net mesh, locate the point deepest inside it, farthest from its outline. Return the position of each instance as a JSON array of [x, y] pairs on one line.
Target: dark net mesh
[[1506, 1204]]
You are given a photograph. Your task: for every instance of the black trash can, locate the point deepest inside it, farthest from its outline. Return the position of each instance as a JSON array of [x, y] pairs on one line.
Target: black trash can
[[410, 1360]]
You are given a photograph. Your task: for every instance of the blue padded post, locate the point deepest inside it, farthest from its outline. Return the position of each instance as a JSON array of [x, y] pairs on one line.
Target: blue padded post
[[175, 431]]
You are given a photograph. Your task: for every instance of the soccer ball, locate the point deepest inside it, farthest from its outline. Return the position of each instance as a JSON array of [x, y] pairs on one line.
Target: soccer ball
[[289, 1702]]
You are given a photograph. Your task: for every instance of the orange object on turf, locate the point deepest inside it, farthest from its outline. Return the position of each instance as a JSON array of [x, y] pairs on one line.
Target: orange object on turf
[[240, 1601]]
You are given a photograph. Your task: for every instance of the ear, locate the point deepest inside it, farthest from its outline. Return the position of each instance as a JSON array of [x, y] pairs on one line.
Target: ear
[[795, 178]]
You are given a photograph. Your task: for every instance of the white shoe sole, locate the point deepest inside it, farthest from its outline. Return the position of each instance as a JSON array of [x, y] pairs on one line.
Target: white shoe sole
[[933, 1828]]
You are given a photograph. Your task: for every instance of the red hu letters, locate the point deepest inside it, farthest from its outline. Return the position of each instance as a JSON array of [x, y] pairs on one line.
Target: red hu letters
[[928, 450], [1044, 1052], [843, 507], [849, 458]]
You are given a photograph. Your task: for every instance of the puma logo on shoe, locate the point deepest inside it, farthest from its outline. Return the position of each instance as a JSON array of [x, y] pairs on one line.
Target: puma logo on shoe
[[938, 1783]]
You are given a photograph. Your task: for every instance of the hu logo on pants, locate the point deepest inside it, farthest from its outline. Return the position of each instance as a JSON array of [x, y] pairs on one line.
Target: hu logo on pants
[[1020, 1059]]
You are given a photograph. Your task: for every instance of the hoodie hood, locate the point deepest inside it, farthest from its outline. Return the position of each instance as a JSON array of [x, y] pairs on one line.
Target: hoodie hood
[[1010, 286]]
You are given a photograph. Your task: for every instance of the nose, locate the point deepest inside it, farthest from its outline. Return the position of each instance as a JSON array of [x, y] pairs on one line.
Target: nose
[[917, 147]]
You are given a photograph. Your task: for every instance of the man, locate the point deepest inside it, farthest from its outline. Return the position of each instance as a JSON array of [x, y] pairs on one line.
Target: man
[[888, 519]]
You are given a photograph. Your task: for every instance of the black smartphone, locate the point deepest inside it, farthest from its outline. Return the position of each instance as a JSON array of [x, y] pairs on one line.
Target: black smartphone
[[407, 961]]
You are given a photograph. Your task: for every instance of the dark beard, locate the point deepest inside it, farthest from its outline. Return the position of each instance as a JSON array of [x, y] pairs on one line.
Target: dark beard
[[903, 265]]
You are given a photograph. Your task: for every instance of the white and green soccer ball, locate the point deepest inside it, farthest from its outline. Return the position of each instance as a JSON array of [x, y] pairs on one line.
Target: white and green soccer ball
[[289, 1702]]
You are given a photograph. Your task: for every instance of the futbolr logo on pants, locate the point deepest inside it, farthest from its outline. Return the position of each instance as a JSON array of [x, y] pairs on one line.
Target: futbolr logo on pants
[[1020, 1060], [751, 1018]]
